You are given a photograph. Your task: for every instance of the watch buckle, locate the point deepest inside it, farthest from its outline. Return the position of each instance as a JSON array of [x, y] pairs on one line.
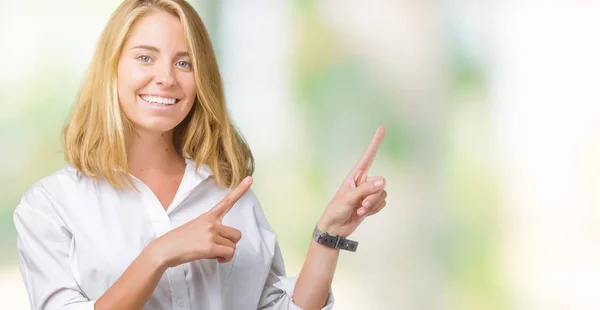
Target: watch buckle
[[338, 240]]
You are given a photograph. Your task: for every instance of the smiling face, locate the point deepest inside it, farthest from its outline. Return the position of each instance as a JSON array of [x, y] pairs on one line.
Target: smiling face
[[155, 79]]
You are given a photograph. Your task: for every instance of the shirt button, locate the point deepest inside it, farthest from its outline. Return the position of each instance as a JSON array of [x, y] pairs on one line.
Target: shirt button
[[180, 302]]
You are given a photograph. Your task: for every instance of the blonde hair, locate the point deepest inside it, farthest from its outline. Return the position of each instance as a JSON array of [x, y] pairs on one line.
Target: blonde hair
[[95, 135]]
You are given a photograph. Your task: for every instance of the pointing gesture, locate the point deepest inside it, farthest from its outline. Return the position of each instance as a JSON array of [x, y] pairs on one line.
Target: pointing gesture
[[219, 210], [358, 196], [204, 237], [359, 173]]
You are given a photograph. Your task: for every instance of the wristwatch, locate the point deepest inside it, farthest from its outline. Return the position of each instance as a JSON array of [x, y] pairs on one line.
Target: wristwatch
[[335, 242]]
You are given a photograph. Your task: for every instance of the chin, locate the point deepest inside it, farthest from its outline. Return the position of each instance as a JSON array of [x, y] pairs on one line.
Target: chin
[[156, 127]]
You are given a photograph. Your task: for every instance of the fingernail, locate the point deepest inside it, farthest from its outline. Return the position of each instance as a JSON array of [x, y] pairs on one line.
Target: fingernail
[[248, 180], [378, 183], [361, 212], [366, 204]]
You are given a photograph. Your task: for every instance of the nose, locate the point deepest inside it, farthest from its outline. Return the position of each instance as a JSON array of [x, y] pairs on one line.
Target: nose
[[164, 77]]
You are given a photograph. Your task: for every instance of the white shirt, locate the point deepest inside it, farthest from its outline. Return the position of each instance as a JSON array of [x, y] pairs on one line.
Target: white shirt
[[77, 235]]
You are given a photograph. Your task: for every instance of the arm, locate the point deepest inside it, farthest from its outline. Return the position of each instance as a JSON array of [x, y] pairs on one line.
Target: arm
[[311, 289], [279, 289], [135, 286], [314, 281], [44, 253], [358, 197], [317, 272], [201, 238]]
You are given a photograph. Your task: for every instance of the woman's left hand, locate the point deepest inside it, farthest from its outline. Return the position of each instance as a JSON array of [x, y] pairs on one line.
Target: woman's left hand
[[358, 197]]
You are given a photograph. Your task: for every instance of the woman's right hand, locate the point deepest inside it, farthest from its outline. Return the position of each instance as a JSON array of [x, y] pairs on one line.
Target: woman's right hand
[[204, 237]]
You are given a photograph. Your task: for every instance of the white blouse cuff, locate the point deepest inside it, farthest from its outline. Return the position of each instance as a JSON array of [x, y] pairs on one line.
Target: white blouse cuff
[[287, 285]]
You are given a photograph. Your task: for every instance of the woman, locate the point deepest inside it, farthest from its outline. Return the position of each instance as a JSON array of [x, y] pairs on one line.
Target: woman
[[153, 209]]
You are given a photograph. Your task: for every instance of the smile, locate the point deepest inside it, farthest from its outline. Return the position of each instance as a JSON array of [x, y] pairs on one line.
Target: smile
[[159, 101]]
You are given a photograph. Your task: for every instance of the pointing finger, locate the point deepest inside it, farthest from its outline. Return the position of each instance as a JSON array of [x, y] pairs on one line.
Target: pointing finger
[[227, 203], [364, 163]]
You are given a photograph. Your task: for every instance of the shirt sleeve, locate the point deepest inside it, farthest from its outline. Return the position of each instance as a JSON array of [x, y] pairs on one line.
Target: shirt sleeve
[[279, 289], [43, 249]]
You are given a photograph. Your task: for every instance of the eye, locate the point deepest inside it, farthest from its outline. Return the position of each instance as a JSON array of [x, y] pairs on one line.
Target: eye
[[143, 58], [184, 64]]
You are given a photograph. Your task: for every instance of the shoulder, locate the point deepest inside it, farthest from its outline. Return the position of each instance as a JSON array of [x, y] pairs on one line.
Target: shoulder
[[49, 193], [250, 199]]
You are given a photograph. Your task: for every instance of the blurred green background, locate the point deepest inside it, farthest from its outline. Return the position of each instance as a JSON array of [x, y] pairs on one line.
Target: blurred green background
[[307, 82], [466, 90]]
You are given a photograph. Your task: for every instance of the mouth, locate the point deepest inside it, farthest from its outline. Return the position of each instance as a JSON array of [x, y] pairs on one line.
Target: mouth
[[159, 101]]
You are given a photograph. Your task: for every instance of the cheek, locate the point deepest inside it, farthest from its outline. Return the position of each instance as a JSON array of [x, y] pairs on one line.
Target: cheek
[[188, 86], [130, 79]]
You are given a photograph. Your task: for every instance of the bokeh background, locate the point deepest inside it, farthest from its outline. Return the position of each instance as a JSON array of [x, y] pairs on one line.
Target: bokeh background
[[491, 153]]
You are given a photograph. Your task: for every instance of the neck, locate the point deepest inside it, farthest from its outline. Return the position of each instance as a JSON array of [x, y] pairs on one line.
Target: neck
[[150, 153]]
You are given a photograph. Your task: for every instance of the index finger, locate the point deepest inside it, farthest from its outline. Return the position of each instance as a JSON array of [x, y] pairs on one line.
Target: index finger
[[227, 203], [364, 163]]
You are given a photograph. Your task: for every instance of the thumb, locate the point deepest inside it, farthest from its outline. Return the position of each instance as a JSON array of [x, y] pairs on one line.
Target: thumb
[[366, 189]]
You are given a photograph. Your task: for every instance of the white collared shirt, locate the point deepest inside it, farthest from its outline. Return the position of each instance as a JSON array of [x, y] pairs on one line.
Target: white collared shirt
[[77, 235]]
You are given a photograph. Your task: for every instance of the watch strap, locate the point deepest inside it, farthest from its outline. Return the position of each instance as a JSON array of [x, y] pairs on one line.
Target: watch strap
[[335, 242]]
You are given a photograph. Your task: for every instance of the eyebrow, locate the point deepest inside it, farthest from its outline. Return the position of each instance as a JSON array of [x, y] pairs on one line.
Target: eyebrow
[[155, 49]]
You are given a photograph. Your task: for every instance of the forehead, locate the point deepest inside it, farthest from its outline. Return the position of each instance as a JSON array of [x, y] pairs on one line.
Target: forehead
[[158, 28]]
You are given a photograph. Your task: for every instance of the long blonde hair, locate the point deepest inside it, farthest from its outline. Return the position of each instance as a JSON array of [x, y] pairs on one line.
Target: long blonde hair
[[95, 135]]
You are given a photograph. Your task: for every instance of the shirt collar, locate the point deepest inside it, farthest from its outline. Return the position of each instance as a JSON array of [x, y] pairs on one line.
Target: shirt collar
[[200, 174]]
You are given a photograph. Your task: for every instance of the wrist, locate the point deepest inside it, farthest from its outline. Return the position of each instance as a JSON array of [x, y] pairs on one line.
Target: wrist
[[326, 225], [323, 247], [153, 254], [333, 241]]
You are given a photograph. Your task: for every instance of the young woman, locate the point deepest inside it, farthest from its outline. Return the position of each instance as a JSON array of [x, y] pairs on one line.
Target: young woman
[[153, 209]]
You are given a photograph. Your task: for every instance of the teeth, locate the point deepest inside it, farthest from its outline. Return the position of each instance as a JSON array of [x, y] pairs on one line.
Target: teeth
[[161, 100]]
